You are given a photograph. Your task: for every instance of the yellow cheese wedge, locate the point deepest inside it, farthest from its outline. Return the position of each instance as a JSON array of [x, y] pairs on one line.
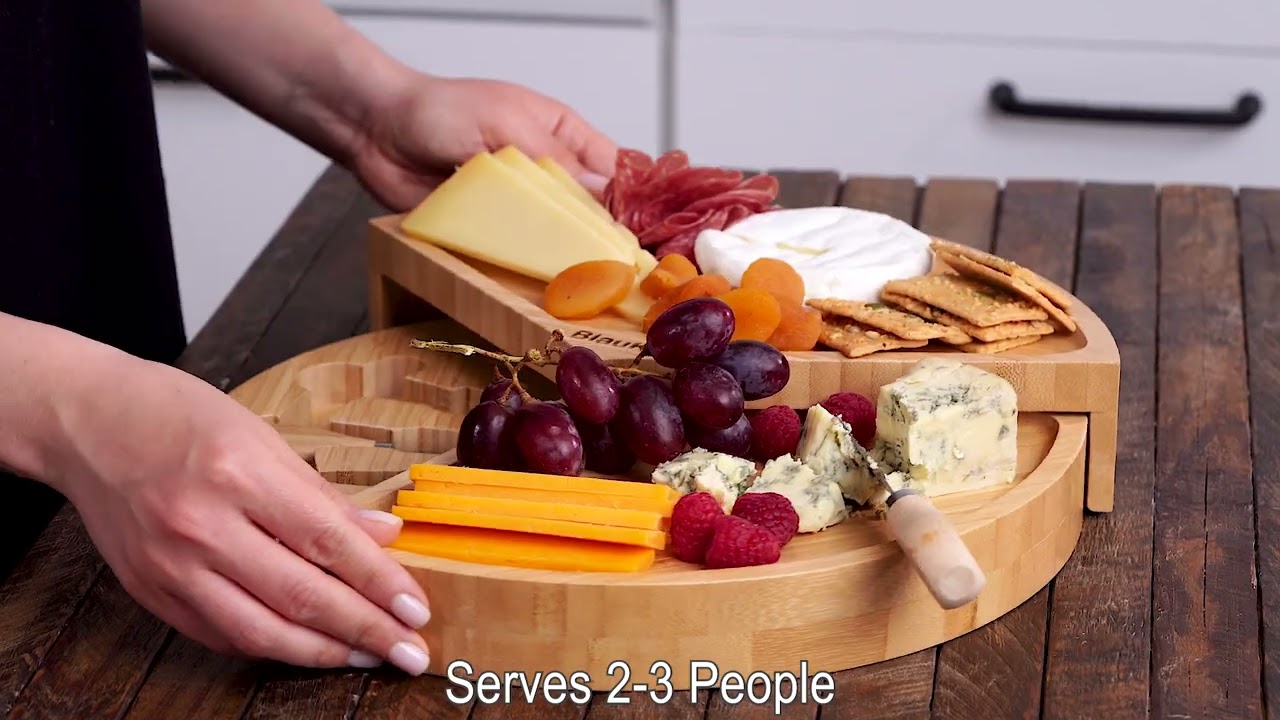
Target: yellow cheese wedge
[[663, 505], [656, 539], [562, 176], [489, 212], [563, 508], [420, 472], [523, 550]]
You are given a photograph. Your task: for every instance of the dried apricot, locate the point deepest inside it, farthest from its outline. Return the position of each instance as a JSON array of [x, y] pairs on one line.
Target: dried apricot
[[587, 289], [704, 286], [756, 313], [777, 278], [798, 330], [658, 307], [671, 271]]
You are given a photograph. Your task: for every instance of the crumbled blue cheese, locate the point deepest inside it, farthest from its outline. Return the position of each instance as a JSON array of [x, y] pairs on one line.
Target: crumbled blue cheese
[[828, 447], [817, 501], [724, 476], [947, 427]]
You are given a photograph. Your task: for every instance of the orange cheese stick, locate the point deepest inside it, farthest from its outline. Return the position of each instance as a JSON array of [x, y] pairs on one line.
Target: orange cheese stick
[[662, 506], [556, 510], [655, 539], [561, 483], [513, 549]]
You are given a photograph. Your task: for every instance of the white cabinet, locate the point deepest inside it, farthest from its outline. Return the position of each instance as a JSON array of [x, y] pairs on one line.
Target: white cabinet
[[231, 181]]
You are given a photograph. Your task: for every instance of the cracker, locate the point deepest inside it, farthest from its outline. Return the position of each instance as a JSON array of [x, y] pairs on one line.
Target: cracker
[[976, 302], [999, 346], [855, 340], [891, 320], [1047, 287], [1003, 331], [978, 271]]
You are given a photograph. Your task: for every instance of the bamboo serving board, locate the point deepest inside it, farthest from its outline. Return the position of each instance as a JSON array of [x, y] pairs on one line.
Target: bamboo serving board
[[838, 599], [1076, 373]]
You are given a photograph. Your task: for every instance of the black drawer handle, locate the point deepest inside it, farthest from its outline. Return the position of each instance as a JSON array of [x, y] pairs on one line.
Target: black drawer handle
[[1005, 98]]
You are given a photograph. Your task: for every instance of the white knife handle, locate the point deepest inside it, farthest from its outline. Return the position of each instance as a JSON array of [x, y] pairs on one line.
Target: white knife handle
[[931, 544]]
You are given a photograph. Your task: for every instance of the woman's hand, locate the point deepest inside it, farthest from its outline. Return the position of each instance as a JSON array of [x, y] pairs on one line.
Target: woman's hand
[[211, 522], [429, 125]]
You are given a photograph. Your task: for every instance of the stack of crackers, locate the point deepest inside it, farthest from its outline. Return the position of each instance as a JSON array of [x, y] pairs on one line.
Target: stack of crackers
[[980, 304]]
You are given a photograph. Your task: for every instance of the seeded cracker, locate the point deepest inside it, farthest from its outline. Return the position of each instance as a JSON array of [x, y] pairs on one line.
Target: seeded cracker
[[999, 346], [978, 271], [1003, 331], [1048, 288], [855, 340], [971, 300], [883, 317]]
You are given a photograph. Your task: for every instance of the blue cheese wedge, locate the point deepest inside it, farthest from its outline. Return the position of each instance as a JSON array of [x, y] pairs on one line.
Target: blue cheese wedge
[[817, 500], [724, 476], [828, 447], [947, 427]]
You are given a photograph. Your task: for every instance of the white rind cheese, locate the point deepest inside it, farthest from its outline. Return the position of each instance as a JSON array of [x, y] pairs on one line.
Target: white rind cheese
[[817, 501], [947, 427], [724, 476], [840, 252], [828, 447]]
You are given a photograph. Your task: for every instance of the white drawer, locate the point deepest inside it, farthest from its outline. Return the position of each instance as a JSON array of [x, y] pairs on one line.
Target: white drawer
[[609, 74], [634, 11], [922, 109], [1234, 23]]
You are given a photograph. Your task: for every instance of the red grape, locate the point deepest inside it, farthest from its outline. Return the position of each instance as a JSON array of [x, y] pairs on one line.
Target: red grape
[[697, 329], [760, 368], [547, 439], [484, 438], [648, 420], [495, 391], [733, 440], [589, 388], [605, 453], [708, 395]]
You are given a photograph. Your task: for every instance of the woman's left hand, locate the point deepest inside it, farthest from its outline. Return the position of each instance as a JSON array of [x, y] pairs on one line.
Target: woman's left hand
[[431, 125]]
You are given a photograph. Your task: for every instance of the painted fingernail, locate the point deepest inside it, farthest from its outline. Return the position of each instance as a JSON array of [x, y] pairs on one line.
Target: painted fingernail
[[379, 516], [409, 658], [362, 659], [592, 181], [410, 610]]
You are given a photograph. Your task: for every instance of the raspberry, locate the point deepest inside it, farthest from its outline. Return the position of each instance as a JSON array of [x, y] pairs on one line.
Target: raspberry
[[857, 411], [775, 431], [693, 521], [771, 511], [739, 542]]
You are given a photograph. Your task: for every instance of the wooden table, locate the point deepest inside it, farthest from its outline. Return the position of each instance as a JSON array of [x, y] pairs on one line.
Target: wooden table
[[1163, 611]]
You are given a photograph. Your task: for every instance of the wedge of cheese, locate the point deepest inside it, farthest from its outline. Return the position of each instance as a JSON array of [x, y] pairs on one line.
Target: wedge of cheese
[[492, 213], [564, 507], [423, 472], [514, 549], [662, 505], [656, 539], [575, 188]]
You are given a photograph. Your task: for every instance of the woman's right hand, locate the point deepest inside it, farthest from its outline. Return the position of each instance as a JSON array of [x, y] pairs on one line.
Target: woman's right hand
[[214, 524]]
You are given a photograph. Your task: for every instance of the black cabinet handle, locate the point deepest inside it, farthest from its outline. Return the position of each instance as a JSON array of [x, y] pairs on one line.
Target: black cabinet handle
[[171, 76], [1005, 98]]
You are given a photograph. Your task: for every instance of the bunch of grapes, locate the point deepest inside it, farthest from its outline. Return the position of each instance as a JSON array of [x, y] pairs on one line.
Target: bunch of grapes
[[605, 423]]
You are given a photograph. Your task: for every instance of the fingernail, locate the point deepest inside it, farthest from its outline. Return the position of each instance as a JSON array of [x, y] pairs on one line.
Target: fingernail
[[379, 516], [361, 659], [410, 610], [409, 658], [593, 181]]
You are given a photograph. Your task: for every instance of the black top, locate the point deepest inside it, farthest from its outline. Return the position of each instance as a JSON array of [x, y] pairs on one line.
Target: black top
[[84, 227]]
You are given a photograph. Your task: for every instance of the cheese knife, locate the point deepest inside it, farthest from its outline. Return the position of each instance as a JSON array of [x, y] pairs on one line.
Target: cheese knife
[[931, 543]]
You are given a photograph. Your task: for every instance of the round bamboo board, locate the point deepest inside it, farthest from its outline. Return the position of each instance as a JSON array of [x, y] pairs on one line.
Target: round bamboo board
[[837, 599]]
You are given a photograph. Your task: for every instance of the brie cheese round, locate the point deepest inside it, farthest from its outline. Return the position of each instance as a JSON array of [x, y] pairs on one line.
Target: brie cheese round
[[840, 252]]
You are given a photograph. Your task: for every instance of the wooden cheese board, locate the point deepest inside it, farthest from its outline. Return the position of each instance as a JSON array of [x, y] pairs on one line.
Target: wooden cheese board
[[837, 599], [1074, 373]]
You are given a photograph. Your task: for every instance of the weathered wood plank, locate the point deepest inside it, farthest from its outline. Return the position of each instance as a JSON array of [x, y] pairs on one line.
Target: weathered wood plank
[[960, 210], [1259, 229], [798, 188], [893, 196], [997, 670], [1205, 654], [636, 706], [206, 686], [294, 694], [1099, 628], [392, 696]]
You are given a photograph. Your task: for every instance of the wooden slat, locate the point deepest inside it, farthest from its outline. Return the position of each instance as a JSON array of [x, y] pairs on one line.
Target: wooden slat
[[997, 670], [295, 694], [392, 696], [204, 685], [1099, 632], [900, 688], [40, 596], [798, 189], [1259, 229], [635, 706], [960, 210], [540, 709], [1205, 654]]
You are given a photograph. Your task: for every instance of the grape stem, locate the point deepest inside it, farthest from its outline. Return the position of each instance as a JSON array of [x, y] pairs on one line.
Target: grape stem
[[534, 357]]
